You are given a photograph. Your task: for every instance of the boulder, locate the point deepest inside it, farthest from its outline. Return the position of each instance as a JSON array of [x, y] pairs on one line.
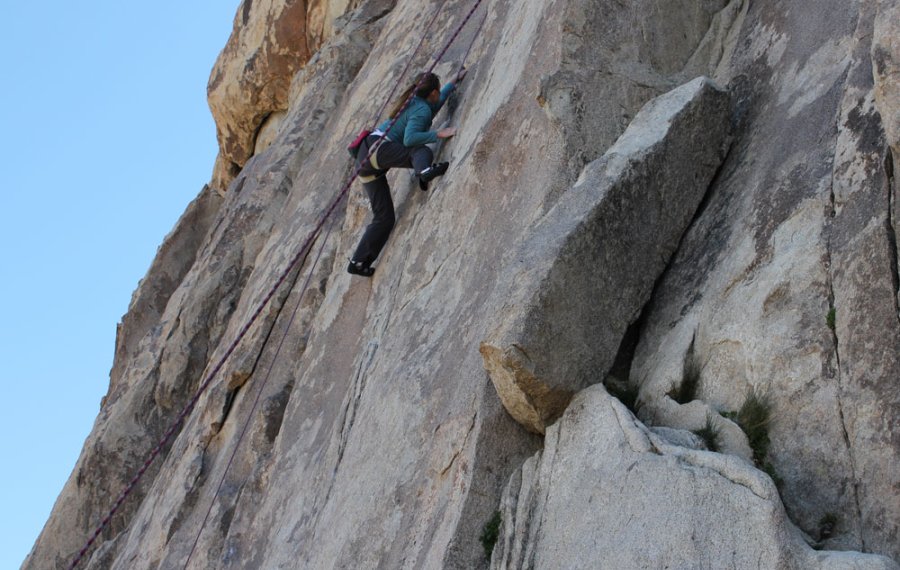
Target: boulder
[[606, 492]]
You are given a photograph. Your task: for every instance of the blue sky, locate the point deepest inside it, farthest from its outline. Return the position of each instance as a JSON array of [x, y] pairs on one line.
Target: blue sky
[[106, 137]]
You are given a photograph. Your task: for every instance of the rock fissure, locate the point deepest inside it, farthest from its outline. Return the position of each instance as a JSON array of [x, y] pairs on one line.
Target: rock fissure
[[625, 433], [589, 241], [228, 405], [462, 446], [357, 387], [384, 12], [891, 227], [832, 326], [713, 466], [190, 498], [413, 295], [261, 124]]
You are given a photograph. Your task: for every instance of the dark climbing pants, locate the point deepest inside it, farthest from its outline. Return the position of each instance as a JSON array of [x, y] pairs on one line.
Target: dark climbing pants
[[372, 173]]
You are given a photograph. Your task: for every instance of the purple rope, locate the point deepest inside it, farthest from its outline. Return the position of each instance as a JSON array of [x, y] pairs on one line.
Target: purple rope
[[465, 58]]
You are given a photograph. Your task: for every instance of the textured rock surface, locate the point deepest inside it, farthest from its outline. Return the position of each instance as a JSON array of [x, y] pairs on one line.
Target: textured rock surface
[[379, 440], [605, 492], [249, 85], [581, 277], [173, 260]]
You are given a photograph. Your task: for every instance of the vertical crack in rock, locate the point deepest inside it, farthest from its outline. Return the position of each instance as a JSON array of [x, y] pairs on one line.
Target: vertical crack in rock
[[413, 295], [227, 406], [354, 397], [274, 407], [892, 228], [346, 421], [829, 221], [620, 372], [274, 412], [192, 495], [381, 14], [348, 418], [462, 446], [239, 378]]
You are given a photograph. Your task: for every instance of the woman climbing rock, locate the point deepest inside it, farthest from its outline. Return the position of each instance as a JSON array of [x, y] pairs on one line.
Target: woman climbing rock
[[404, 146]]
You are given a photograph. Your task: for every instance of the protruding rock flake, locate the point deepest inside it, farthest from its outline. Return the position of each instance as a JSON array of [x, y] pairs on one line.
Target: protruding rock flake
[[582, 275]]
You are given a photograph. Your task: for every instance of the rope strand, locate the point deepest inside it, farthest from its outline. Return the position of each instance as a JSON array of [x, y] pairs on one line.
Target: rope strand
[[462, 64]]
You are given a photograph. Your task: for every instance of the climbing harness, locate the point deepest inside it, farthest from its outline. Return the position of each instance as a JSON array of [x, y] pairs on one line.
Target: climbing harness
[[301, 255]]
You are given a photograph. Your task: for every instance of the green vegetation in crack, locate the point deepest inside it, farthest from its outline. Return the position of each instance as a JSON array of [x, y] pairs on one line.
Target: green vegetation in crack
[[754, 418], [491, 533], [710, 435], [690, 382]]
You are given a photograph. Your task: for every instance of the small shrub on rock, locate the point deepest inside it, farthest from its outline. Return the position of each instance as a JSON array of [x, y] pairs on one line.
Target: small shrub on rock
[[754, 418], [710, 435], [491, 533], [690, 382]]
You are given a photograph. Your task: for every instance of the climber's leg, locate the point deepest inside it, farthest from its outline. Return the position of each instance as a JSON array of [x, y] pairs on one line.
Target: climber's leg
[[378, 231]]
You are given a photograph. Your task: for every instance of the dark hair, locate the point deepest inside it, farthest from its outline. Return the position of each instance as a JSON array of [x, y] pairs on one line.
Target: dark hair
[[426, 83]]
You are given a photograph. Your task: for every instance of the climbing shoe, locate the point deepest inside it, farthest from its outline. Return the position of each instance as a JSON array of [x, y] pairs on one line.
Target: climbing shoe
[[360, 268], [431, 173]]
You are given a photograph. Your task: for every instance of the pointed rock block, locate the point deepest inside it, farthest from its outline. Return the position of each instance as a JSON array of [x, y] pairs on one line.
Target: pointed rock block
[[582, 275]]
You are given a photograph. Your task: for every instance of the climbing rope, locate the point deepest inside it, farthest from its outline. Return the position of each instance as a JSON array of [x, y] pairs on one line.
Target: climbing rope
[[462, 64], [298, 257], [262, 388]]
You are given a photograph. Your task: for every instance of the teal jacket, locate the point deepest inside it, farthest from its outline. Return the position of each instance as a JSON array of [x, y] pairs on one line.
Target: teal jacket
[[413, 128]]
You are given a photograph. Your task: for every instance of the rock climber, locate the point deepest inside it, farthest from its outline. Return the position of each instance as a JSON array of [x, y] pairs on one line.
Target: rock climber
[[404, 146]]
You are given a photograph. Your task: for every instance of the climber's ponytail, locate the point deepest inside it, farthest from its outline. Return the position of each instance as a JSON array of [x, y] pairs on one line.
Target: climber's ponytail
[[426, 83]]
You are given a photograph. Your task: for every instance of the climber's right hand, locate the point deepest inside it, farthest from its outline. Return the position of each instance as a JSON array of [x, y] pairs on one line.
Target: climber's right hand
[[446, 133]]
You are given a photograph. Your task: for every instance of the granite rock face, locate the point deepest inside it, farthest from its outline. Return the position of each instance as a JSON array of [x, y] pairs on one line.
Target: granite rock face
[[787, 283], [356, 427], [584, 272]]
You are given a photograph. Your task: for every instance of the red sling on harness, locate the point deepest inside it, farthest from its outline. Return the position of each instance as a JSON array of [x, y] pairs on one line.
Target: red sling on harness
[[353, 149]]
